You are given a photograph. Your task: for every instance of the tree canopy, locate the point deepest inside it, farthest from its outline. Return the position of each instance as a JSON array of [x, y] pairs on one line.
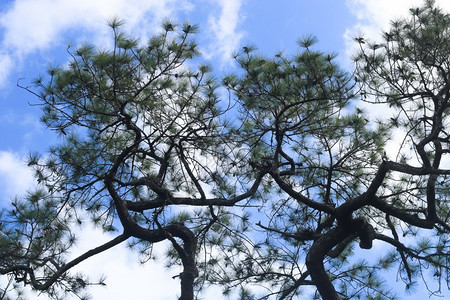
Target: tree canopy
[[268, 182]]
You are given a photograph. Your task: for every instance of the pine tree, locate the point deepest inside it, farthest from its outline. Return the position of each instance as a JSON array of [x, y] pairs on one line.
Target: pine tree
[[281, 187]]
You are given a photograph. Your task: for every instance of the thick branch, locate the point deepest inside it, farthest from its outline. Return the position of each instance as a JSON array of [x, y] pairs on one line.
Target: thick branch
[[315, 265], [170, 200], [400, 214]]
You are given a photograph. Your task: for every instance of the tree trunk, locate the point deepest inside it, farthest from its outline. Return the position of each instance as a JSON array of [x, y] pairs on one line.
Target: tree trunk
[[315, 257], [187, 285]]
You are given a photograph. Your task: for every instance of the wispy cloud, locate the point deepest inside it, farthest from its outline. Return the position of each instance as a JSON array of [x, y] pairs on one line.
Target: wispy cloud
[[15, 177], [373, 16], [6, 64], [224, 27], [29, 26], [33, 25]]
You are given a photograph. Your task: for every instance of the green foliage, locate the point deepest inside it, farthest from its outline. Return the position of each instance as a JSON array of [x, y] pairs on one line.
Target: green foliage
[[133, 113], [417, 75], [278, 192]]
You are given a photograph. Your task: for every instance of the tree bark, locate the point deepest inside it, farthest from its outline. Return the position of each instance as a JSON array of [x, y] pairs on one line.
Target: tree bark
[[315, 258]]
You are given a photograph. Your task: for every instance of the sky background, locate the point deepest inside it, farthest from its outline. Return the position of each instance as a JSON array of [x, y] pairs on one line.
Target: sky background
[[35, 33]]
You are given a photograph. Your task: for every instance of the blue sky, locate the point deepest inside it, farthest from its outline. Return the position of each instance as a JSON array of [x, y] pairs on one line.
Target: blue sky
[[35, 33]]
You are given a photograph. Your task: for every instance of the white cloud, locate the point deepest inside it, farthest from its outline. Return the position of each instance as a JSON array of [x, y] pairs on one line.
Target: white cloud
[[375, 15], [29, 26], [6, 64], [126, 278], [378, 13], [15, 177], [34, 25], [224, 28]]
